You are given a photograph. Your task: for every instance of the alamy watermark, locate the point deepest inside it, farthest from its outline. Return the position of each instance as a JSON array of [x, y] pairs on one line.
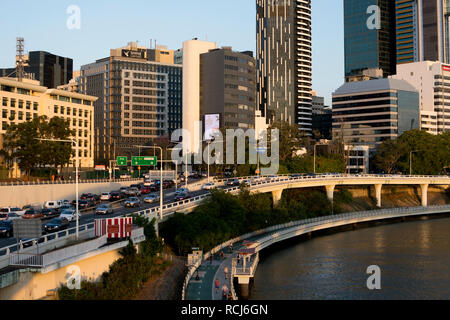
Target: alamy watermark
[[374, 281], [74, 19], [239, 146], [73, 278], [374, 20]]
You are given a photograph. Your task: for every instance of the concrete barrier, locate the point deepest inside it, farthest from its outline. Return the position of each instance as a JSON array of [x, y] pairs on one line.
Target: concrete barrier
[[19, 196]]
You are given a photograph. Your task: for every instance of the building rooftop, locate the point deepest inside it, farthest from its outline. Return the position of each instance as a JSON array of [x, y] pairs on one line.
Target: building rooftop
[[374, 85]]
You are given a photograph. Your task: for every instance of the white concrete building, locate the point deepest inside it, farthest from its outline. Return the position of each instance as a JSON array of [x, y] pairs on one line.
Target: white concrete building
[[432, 80], [192, 50]]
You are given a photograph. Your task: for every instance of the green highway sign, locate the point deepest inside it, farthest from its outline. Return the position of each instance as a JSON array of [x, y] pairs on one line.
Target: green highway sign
[[122, 161], [144, 161]]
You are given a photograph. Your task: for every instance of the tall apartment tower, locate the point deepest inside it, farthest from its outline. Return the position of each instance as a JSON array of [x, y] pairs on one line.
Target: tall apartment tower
[[369, 48], [284, 61], [422, 28]]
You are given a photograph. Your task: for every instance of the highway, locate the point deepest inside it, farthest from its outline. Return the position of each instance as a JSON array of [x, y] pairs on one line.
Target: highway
[[119, 210]]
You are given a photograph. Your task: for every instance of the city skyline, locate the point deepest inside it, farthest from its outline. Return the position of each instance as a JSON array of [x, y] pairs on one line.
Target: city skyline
[[99, 34]]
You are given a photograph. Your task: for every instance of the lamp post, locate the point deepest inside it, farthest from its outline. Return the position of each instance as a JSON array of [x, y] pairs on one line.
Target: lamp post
[[315, 146], [410, 160], [73, 141]]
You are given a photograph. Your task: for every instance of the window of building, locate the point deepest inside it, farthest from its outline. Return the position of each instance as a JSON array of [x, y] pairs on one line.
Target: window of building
[[20, 117], [4, 114], [13, 103], [20, 104], [5, 102], [35, 106]]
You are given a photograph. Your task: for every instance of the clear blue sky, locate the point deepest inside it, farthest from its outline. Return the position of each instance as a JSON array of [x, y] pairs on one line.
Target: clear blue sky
[[109, 24]]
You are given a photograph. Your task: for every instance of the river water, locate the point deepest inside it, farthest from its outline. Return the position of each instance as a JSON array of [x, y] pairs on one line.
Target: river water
[[414, 259]]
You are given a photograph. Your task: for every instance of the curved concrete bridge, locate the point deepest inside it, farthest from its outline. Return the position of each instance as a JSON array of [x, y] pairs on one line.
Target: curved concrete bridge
[[329, 182], [203, 289]]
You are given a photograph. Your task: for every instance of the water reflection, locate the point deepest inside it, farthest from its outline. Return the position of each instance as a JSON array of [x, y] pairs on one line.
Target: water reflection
[[414, 258]]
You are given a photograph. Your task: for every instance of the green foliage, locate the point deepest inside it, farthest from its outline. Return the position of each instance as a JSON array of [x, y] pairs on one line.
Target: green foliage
[[126, 275], [20, 142], [430, 153], [224, 216]]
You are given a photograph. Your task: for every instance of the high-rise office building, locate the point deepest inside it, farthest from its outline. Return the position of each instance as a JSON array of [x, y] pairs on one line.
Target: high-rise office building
[[422, 30], [284, 61], [369, 112], [228, 87], [50, 70], [432, 80], [192, 49], [140, 94], [369, 48]]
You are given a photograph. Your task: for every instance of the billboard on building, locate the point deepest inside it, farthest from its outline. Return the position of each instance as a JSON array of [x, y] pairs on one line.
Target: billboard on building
[[212, 125]]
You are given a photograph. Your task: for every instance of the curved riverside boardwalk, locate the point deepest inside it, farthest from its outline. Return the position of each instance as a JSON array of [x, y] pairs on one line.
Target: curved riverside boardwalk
[[204, 288]]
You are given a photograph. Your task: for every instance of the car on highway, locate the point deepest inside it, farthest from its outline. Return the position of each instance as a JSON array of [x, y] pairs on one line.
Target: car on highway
[[18, 211], [84, 196], [9, 216], [146, 190], [152, 198], [233, 183], [148, 182], [116, 196], [167, 184], [56, 225], [69, 214], [85, 204], [125, 176], [181, 197], [134, 192], [124, 190], [51, 213], [104, 209], [295, 176], [209, 186], [6, 229], [271, 178], [32, 214], [95, 198], [106, 196], [53, 204], [181, 191], [132, 202]]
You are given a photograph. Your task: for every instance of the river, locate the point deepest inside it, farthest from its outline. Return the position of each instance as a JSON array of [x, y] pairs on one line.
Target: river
[[414, 259]]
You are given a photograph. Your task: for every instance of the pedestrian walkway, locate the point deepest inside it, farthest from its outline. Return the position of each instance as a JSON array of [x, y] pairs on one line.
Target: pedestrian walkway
[[205, 289]]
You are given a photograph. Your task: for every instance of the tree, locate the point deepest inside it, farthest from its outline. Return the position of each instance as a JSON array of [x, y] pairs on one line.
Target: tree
[[388, 154], [21, 143], [291, 139]]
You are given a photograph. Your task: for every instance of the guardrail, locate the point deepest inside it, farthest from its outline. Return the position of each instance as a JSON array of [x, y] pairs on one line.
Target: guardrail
[[57, 182]]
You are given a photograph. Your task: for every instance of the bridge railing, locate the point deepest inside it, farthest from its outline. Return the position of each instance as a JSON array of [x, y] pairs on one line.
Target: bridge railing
[[57, 182]]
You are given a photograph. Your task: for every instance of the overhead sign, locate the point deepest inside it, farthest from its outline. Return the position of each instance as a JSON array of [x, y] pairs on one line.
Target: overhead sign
[[122, 161], [144, 161], [27, 229]]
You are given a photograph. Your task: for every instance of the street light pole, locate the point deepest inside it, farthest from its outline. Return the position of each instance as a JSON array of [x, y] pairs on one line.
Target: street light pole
[[410, 161]]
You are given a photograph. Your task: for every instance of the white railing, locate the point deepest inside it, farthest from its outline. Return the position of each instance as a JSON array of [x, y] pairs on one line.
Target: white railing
[[26, 260], [45, 182], [380, 214], [248, 270]]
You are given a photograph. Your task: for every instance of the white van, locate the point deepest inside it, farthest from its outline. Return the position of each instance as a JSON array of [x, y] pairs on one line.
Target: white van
[[53, 204]]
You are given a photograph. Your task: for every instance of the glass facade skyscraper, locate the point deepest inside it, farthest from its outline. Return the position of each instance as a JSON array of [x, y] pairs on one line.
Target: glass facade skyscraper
[[369, 48]]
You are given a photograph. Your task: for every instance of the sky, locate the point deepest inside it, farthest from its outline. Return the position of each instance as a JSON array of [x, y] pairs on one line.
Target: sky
[[107, 24]]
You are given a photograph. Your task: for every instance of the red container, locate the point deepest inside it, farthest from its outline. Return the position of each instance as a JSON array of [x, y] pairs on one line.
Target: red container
[[115, 228]]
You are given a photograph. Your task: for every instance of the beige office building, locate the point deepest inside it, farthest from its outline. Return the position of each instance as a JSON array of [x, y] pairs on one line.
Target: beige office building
[[24, 101]]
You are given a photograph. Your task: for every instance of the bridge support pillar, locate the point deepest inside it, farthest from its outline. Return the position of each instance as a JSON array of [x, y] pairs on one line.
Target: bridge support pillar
[[330, 192], [277, 196], [378, 188], [424, 189], [244, 283]]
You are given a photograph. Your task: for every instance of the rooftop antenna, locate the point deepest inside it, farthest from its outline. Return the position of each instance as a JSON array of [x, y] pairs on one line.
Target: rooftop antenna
[[20, 45]]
